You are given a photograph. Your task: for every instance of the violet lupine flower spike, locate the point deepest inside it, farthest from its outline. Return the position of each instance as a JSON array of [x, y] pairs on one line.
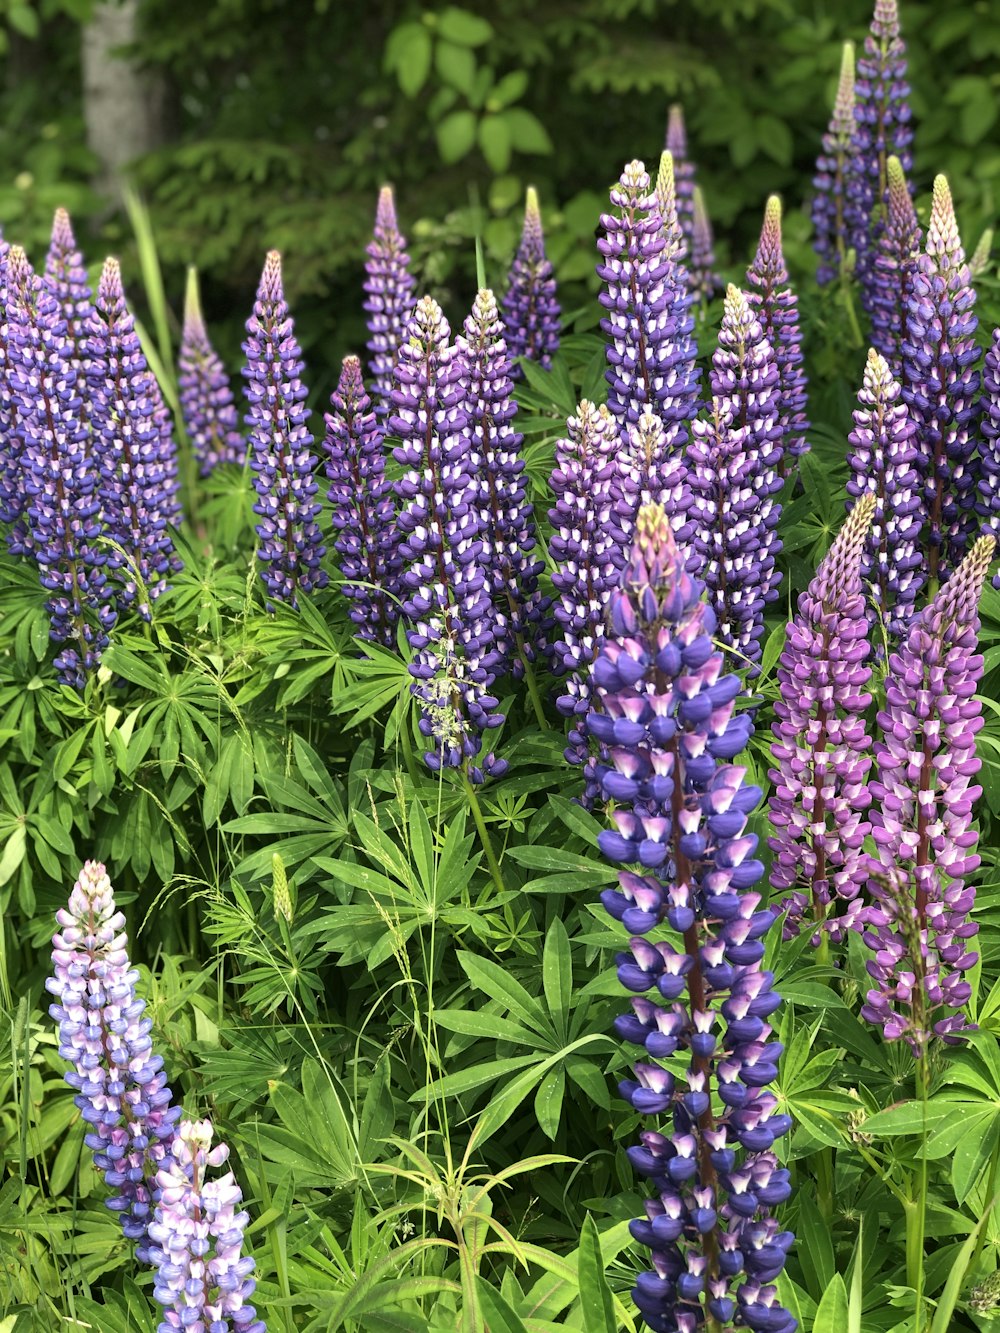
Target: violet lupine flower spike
[[884, 449], [836, 167], [364, 514], [650, 351], [923, 799], [446, 596], [988, 500], [206, 398], [62, 505], [676, 145], [822, 750], [682, 807], [121, 1087], [137, 465], [894, 264], [389, 299], [777, 308], [290, 543], [941, 384], [11, 443], [530, 309], [676, 249], [704, 279], [647, 472], [505, 515], [66, 276], [202, 1280]]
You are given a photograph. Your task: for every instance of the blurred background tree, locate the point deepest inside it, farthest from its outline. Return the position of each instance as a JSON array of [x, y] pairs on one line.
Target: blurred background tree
[[273, 122]]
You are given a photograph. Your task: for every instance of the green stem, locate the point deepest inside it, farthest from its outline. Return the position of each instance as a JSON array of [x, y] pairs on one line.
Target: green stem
[[532, 687], [990, 1201], [824, 1183], [484, 833], [852, 314], [916, 1210]]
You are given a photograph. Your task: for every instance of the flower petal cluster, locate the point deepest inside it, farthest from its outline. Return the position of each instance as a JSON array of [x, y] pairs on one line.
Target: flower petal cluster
[[676, 145], [923, 797], [702, 1001], [364, 514], [776, 306], [822, 750], [882, 464], [11, 443], [836, 168], [445, 591], [988, 500], [206, 397], [894, 265], [121, 1089], [280, 448], [66, 278], [647, 471], [389, 297], [530, 308]]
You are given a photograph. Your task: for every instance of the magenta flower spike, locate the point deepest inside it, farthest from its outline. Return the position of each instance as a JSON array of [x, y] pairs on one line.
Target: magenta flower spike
[[206, 397], [919, 924], [822, 750], [836, 168], [389, 299], [677, 146], [66, 277], [530, 308], [704, 279], [776, 306], [894, 267]]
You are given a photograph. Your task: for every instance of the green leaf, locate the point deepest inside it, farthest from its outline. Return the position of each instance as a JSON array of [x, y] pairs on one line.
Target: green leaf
[[456, 135], [557, 973], [495, 140], [408, 55], [549, 1101], [526, 131], [948, 1299], [458, 25], [857, 1282], [596, 1304], [511, 88], [831, 1316], [456, 66]]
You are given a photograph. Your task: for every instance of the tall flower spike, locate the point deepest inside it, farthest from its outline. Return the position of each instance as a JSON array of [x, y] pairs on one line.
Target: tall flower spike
[[988, 499], [822, 750], [364, 514], [66, 277], [530, 309], [290, 543], [445, 592], [922, 817], [941, 383], [882, 128], [836, 168], [646, 472], [11, 441], [884, 449], [505, 515], [650, 350], [777, 308], [676, 145], [894, 266], [201, 1280], [137, 466], [389, 297], [206, 398], [681, 812], [121, 1089], [62, 503], [980, 260], [667, 205], [704, 279]]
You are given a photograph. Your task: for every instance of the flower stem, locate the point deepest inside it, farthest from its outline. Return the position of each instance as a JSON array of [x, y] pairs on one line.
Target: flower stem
[[532, 686], [484, 833], [916, 1209]]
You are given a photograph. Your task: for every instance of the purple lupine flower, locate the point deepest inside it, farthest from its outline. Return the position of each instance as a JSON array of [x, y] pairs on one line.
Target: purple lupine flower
[[988, 500], [892, 566], [882, 127], [682, 808], [650, 351], [836, 168], [206, 398], [66, 277], [11, 442], [201, 1277], [893, 268], [445, 592], [138, 473], [62, 506], [941, 383], [676, 145], [389, 300], [681, 405], [704, 279], [822, 750], [922, 819], [647, 472], [363, 511], [505, 515], [777, 308], [284, 465], [121, 1089], [530, 309]]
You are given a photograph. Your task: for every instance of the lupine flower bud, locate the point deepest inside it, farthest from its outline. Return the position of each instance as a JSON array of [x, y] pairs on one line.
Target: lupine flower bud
[[364, 514], [281, 895], [122, 1091], [988, 499], [681, 811], [923, 800], [884, 449], [61, 498], [676, 145], [941, 383], [822, 749], [836, 167], [138, 467], [505, 516], [676, 247], [445, 592], [980, 260], [66, 278], [206, 398], [290, 543], [389, 299], [776, 306], [704, 279], [650, 351], [530, 309], [202, 1279], [895, 263]]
